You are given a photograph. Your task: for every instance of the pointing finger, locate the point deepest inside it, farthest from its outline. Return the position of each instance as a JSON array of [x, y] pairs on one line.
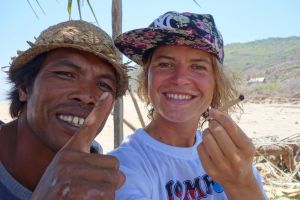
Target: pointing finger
[[82, 139]]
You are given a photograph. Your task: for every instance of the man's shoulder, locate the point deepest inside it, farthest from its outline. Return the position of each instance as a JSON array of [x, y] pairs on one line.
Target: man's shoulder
[[10, 188]]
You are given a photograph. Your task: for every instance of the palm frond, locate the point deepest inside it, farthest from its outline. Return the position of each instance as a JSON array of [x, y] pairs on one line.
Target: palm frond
[[88, 1], [33, 9], [195, 1], [38, 3], [69, 8], [79, 9]]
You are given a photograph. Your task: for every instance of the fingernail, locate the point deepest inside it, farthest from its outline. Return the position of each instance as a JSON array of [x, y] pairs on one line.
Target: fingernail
[[104, 96]]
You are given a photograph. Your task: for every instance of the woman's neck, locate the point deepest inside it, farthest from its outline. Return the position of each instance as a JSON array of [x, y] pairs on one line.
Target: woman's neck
[[174, 134]]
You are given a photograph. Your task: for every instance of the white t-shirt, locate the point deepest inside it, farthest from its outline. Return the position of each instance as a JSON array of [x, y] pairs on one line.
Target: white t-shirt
[[158, 171]]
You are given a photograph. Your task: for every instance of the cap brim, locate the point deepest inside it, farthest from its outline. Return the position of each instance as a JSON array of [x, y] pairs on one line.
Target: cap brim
[[136, 42]]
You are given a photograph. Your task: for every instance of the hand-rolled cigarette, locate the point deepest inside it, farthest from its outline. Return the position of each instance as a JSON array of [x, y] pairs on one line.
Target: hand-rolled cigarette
[[232, 103]]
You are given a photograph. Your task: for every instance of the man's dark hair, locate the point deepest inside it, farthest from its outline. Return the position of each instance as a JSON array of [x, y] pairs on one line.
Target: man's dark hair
[[23, 77]]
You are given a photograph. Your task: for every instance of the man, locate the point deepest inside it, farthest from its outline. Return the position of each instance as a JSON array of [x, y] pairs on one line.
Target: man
[[64, 87]]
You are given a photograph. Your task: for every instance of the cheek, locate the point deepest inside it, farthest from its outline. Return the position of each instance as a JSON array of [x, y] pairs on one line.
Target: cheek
[[154, 81], [211, 88], [207, 85], [149, 83]]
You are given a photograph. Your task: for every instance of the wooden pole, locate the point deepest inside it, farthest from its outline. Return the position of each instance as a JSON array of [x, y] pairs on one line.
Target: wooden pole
[[135, 103], [118, 107]]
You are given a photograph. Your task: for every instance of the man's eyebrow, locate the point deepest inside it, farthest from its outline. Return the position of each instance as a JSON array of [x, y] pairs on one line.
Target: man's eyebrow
[[109, 77], [66, 63]]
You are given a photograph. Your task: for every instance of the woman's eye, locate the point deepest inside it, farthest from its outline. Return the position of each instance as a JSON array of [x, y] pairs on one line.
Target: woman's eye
[[164, 65], [64, 74], [198, 67]]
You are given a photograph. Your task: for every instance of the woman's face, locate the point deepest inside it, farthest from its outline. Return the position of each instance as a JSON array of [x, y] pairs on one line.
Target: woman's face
[[180, 83]]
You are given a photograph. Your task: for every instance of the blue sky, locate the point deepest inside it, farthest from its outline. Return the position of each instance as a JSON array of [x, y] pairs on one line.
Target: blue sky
[[238, 21]]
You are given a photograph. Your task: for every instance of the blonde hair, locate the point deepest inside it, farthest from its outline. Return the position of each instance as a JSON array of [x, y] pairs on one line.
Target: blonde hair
[[224, 91]]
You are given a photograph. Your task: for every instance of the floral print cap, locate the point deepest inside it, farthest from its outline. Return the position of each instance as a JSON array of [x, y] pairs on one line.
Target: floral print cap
[[194, 30]]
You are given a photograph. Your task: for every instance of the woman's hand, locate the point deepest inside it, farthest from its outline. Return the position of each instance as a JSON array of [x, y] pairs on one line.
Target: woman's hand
[[226, 154]]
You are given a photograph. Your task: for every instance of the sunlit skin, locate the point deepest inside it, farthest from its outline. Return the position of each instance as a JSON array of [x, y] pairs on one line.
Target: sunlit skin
[[180, 87], [69, 83]]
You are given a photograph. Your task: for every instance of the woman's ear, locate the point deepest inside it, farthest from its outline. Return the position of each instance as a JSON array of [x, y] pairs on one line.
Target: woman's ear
[[23, 94]]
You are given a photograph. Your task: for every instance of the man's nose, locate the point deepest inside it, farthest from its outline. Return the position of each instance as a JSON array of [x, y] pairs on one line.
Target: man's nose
[[86, 94]]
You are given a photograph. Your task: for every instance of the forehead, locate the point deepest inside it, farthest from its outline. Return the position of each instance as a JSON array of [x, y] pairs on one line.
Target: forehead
[[183, 50], [79, 59]]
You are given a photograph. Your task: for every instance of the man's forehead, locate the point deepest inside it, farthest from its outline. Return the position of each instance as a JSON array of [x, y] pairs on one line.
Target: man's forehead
[[77, 59]]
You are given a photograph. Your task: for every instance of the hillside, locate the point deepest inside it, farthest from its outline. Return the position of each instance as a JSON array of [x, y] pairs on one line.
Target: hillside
[[277, 60]]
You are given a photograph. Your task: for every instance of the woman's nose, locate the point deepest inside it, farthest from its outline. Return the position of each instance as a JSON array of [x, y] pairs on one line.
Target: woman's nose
[[180, 75]]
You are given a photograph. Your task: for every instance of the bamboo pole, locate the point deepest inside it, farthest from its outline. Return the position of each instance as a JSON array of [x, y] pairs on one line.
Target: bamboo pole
[[137, 108], [118, 107]]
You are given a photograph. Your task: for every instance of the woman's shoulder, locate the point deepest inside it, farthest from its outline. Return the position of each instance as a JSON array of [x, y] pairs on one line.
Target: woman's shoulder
[[130, 146]]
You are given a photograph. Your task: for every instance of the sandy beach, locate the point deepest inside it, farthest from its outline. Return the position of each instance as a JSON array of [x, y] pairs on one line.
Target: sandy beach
[[277, 120]]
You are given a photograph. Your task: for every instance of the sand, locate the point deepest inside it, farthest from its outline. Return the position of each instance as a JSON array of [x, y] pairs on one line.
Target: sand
[[278, 120]]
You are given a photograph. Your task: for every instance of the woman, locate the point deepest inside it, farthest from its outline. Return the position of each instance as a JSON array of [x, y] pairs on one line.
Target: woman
[[182, 56]]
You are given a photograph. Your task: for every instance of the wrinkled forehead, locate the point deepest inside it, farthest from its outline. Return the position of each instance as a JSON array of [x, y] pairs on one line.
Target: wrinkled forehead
[[80, 60]]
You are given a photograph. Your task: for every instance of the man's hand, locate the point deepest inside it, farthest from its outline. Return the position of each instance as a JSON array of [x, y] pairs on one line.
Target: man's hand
[[226, 154], [74, 172]]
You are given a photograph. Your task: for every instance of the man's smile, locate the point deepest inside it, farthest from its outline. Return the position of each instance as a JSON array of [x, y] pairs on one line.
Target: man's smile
[[72, 119]]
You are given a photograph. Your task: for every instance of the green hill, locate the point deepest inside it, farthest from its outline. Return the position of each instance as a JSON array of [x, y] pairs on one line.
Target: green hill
[[275, 59]]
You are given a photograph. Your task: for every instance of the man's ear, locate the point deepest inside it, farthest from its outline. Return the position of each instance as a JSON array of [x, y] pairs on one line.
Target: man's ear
[[23, 94]]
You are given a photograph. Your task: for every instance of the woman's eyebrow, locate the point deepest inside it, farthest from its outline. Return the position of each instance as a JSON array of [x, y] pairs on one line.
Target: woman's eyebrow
[[206, 60], [164, 57]]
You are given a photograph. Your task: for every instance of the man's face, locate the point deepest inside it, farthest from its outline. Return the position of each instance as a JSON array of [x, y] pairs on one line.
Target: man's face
[[64, 93]]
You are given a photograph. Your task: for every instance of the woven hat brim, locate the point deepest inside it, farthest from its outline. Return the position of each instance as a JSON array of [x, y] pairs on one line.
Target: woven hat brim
[[136, 42], [28, 55]]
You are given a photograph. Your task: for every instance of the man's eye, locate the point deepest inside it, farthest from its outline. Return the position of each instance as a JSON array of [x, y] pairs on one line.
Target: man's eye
[[64, 74], [105, 86]]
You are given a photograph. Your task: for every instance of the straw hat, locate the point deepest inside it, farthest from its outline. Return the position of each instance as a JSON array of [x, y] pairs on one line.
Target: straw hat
[[79, 35], [198, 31]]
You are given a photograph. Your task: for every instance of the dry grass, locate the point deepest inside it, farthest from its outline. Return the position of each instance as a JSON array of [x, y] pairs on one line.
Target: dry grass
[[281, 176]]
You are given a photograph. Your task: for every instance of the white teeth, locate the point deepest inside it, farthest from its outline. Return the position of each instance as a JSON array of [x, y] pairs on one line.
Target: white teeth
[[81, 121], [73, 120], [179, 96]]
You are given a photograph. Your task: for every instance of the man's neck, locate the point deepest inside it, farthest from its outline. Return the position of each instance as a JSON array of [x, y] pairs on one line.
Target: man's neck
[[24, 157]]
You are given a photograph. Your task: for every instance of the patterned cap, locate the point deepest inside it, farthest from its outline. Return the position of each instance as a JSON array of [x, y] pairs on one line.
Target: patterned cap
[[79, 35], [194, 30]]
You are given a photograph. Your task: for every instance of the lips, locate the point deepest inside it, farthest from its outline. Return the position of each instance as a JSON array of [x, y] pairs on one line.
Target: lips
[[72, 119]]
